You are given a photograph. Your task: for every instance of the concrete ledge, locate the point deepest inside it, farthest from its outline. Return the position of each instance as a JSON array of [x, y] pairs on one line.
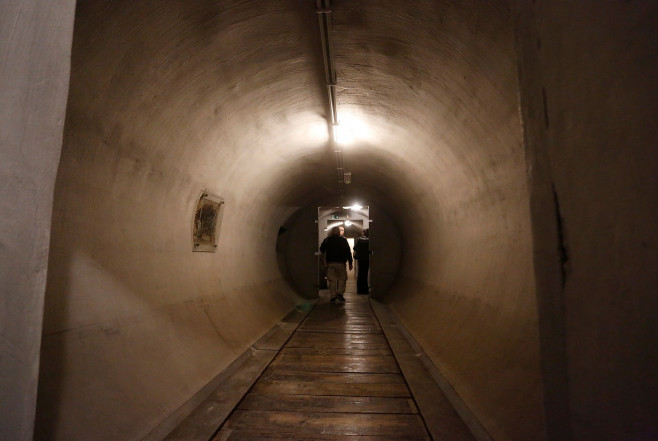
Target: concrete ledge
[[447, 417], [203, 414]]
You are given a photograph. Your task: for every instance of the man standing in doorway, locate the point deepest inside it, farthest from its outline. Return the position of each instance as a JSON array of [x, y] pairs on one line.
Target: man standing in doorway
[[337, 253], [362, 254]]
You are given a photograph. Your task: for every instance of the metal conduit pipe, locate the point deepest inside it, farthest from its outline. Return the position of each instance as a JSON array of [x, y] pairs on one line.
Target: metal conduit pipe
[[324, 19]]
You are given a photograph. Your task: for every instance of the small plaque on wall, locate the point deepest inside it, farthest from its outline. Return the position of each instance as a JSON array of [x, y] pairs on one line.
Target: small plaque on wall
[[207, 222]]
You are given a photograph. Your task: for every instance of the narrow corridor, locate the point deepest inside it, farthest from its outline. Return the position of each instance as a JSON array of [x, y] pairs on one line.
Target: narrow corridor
[[337, 378]]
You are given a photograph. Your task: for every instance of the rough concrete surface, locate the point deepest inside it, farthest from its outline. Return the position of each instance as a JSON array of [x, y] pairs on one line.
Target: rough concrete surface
[[32, 109]]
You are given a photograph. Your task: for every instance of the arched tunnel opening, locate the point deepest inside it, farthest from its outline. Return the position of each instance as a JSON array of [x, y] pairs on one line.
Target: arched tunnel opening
[[510, 180], [297, 246]]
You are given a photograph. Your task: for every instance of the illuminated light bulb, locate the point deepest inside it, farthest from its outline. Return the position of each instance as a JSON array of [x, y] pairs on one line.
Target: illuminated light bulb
[[343, 134]]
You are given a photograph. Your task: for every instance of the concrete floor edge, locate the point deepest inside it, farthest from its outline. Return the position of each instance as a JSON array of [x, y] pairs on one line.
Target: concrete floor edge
[[197, 407], [390, 323]]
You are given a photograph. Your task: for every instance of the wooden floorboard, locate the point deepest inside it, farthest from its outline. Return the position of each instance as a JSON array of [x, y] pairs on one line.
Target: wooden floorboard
[[326, 423], [335, 351], [348, 341], [329, 377], [242, 436], [308, 388], [320, 403], [336, 363], [335, 379], [341, 372]]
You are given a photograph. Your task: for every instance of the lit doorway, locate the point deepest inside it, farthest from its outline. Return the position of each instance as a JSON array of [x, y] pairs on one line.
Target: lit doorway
[[354, 219]]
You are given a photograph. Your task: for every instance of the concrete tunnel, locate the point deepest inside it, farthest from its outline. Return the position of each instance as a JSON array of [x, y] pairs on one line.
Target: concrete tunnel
[[507, 151]]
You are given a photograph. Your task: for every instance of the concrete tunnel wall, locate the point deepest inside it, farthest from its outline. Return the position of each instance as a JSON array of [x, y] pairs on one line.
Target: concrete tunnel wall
[[32, 109], [169, 99]]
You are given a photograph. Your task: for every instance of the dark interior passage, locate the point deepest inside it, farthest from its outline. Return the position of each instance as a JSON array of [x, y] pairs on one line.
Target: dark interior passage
[[506, 150]]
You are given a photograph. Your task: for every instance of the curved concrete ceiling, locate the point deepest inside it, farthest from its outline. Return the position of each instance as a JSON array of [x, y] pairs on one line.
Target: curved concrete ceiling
[[243, 85]]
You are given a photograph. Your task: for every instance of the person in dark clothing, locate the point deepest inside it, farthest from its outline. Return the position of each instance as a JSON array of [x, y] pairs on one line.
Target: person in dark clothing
[[336, 251], [362, 255]]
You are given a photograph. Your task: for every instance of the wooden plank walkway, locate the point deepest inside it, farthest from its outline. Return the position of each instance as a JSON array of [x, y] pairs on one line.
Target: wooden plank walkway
[[335, 379], [344, 371]]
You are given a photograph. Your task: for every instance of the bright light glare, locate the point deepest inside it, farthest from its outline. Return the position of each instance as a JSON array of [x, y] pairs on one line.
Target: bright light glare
[[316, 131], [353, 207], [351, 130], [348, 223], [343, 135]]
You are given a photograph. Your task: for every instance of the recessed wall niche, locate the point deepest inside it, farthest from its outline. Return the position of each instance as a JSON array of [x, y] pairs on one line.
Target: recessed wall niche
[[207, 222]]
